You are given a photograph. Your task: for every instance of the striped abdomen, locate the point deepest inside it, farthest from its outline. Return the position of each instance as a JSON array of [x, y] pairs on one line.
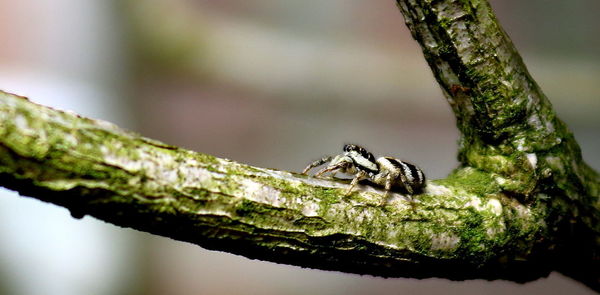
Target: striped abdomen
[[408, 176]]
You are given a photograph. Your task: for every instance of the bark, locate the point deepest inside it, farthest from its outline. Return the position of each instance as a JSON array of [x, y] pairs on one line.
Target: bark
[[508, 127], [523, 203], [94, 168]]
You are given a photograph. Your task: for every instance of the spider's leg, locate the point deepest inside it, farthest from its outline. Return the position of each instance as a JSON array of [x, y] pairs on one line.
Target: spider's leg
[[331, 168], [406, 183], [360, 175], [317, 163], [388, 186]]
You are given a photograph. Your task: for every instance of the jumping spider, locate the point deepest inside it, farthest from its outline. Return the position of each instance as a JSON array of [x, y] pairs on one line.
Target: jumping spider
[[387, 172]]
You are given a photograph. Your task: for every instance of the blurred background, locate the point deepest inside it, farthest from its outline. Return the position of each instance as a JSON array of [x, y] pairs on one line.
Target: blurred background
[[271, 83]]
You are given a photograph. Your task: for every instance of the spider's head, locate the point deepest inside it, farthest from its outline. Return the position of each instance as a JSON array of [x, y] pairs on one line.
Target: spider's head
[[361, 158]]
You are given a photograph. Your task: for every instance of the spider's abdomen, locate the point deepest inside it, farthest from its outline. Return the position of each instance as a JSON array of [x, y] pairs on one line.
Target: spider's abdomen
[[405, 175]]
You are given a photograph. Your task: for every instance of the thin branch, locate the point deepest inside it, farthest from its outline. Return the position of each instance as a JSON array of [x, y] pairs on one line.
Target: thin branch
[[507, 124]]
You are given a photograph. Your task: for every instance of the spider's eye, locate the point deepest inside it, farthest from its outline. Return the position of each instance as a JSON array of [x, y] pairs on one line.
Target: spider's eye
[[350, 147], [359, 151]]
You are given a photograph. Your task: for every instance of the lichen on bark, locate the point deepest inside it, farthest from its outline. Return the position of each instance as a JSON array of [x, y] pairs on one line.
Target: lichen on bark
[[94, 168], [508, 128], [522, 203]]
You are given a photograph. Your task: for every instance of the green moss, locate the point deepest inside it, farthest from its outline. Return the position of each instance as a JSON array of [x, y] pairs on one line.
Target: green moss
[[472, 181], [469, 5], [312, 224], [325, 196], [246, 207], [445, 23], [472, 234]]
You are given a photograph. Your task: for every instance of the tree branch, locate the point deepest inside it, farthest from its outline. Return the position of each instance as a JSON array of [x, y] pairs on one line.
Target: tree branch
[[508, 127], [91, 167], [522, 204]]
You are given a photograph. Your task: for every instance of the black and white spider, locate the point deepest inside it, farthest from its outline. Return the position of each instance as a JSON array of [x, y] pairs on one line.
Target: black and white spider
[[388, 172]]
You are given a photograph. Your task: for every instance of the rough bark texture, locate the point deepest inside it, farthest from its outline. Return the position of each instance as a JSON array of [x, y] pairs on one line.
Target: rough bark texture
[[508, 127], [522, 204], [463, 227]]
